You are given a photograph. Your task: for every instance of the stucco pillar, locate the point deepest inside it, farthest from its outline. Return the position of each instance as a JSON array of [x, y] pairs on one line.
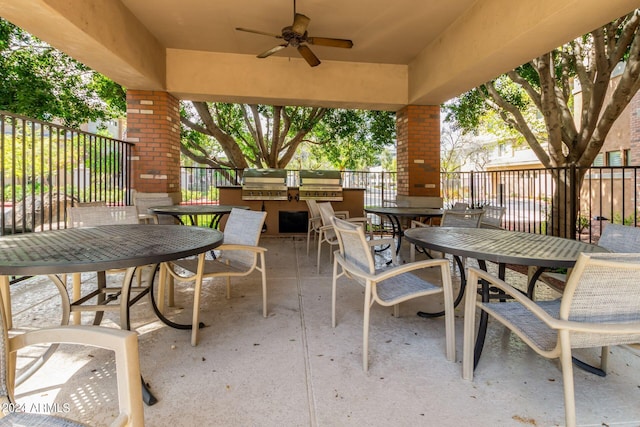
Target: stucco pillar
[[418, 151], [153, 125]]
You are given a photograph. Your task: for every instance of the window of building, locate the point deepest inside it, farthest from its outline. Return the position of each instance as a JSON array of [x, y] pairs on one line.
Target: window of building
[[627, 157], [614, 158]]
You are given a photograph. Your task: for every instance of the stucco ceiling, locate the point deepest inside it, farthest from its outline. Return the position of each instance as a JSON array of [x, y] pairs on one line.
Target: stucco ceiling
[[383, 31], [419, 52]]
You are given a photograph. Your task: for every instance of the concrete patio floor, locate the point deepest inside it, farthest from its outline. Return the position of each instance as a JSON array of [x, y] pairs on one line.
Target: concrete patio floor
[[293, 369]]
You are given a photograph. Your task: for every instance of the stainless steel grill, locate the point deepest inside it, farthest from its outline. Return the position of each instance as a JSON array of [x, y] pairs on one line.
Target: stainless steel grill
[[264, 184], [320, 185]]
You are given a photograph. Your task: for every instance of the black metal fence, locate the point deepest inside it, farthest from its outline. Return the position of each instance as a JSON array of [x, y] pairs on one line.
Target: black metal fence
[[46, 167], [537, 200]]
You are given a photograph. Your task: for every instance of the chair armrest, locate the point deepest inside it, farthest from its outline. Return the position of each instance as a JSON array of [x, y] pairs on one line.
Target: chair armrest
[[475, 273], [394, 271], [415, 224], [236, 247], [385, 241], [341, 214], [123, 343]]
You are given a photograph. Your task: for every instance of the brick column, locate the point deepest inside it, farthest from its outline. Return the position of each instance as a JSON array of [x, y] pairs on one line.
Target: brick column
[[153, 125], [634, 131], [418, 151]]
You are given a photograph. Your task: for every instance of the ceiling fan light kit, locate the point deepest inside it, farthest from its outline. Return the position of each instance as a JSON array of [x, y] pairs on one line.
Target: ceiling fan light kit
[[296, 36]]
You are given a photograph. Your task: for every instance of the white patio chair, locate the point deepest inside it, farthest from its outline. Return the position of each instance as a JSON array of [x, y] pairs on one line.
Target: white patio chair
[[123, 343], [142, 205], [95, 215], [315, 220], [239, 256], [492, 217], [326, 233], [600, 307], [387, 287]]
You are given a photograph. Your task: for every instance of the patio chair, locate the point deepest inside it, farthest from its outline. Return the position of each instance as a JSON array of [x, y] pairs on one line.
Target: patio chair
[[239, 256], [600, 307], [142, 205], [492, 217], [388, 287], [91, 216], [451, 218], [615, 238], [123, 343], [326, 234], [315, 220]]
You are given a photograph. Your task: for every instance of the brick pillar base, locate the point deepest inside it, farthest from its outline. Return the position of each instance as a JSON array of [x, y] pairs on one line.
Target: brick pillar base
[[153, 125], [418, 153]]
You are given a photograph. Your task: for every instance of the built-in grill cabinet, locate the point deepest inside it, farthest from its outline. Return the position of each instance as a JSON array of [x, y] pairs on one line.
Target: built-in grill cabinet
[[323, 185], [264, 184]]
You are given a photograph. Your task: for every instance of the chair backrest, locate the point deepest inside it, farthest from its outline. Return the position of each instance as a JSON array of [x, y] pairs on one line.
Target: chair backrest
[[314, 212], [92, 216], [620, 238], [142, 204], [460, 206], [326, 213], [243, 227], [603, 288], [469, 218], [492, 217], [353, 246]]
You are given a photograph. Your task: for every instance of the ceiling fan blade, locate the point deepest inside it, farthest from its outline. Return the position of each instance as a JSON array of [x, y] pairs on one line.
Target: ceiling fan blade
[[278, 36], [325, 41], [273, 50], [308, 55], [300, 23]]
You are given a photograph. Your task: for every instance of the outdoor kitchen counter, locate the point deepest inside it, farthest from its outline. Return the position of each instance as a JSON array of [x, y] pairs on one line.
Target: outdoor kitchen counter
[[353, 201]]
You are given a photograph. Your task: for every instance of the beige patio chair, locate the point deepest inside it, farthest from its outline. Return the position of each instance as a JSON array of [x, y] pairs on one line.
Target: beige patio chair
[[315, 221], [123, 343], [615, 238], [388, 287], [239, 256], [326, 233], [451, 218], [142, 205], [599, 308], [492, 217], [91, 216]]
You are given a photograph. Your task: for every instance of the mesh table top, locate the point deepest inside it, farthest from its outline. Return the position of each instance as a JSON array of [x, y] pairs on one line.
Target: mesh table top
[[76, 250], [502, 246]]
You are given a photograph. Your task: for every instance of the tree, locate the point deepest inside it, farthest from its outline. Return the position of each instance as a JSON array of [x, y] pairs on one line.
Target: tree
[[546, 84], [249, 135], [41, 82]]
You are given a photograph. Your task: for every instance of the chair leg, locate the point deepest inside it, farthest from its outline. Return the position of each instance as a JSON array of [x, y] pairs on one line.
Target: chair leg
[[604, 358], [469, 328], [264, 285], [195, 322], [162, 283], [308, 237], [319, 251], [76, 293], [567, 379], [365, 327], [333, 294]]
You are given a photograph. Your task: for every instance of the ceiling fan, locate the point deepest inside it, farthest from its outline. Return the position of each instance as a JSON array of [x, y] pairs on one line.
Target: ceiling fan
[[296, 36]]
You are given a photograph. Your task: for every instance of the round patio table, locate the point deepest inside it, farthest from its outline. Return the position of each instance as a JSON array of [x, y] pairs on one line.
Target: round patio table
[[77, 250], [194, 211], [502, 247]]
